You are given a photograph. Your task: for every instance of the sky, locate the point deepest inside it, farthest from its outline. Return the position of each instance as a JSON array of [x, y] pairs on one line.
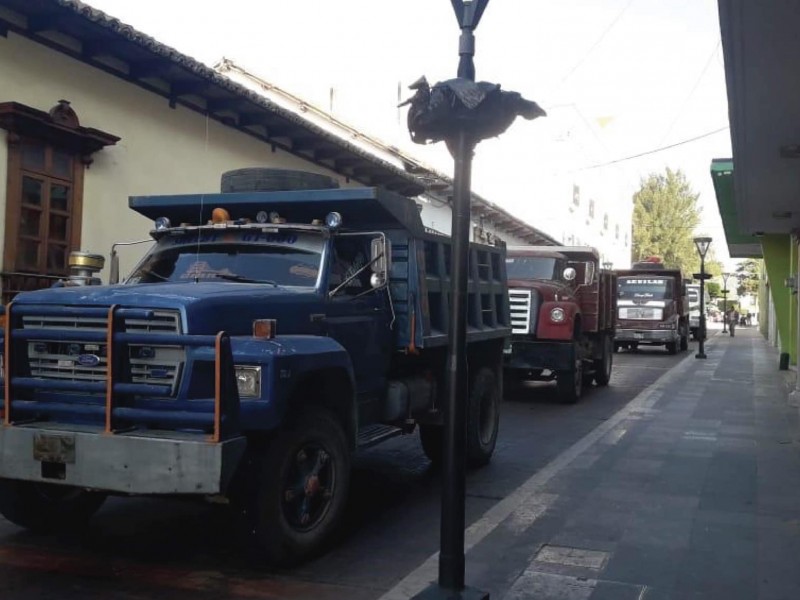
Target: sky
[[618, 78]]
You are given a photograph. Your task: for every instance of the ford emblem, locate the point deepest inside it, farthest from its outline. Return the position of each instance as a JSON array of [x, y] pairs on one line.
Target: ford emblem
[[88, 360]]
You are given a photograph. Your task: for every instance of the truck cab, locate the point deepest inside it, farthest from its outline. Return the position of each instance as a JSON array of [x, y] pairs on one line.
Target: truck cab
[[652, 308], [562, 309], [264, 339]]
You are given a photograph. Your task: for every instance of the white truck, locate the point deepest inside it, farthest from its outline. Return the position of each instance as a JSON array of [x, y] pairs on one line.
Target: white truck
[[693, 294]]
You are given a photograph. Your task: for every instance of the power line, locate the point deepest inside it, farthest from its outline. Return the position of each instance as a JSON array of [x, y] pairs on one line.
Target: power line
[[654, 151], [597, 43], [699, 79]]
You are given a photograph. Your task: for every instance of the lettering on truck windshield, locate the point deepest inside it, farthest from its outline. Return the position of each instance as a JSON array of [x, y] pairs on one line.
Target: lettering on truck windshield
[[639, 288], [288, 258]]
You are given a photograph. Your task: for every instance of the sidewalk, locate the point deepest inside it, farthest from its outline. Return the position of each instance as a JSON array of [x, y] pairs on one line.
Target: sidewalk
[[691, 492]]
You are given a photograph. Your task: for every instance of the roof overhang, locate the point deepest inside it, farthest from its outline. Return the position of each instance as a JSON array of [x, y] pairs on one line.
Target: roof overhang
[[759, 40], [93, 37], [740, 244]]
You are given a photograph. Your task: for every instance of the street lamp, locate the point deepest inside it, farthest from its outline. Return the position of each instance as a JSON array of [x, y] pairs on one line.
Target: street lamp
[[607, 265], [725, 301], [702, 244]]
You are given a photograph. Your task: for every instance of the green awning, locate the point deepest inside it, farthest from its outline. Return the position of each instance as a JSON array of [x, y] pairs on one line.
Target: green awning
[[740, 245]]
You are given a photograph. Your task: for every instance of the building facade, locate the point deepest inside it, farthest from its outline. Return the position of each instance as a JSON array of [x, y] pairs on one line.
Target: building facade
[[93, 111]]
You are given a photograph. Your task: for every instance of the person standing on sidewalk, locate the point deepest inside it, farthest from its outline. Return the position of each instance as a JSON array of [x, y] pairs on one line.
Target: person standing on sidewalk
[[733, 320]]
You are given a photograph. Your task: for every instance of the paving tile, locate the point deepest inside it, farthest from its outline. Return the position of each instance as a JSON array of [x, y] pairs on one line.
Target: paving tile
[[643, 564], [614, 590]]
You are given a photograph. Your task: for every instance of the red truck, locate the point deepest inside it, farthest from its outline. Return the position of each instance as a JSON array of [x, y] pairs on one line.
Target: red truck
[[653, 307], [563, 312]]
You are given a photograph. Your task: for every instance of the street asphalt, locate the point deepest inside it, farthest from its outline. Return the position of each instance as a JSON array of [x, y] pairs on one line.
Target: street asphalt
[[594, 493]]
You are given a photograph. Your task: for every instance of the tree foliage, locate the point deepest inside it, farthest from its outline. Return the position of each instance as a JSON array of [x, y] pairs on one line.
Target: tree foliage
[[747, 276], [714, 289], [665, 214]]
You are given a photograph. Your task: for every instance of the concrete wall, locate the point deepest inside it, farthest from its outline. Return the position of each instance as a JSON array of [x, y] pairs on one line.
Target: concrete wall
[[162, 150], [780, 259]]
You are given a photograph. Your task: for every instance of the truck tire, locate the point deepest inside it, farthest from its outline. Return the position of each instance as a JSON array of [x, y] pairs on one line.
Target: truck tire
[[483, 419], [301, 491], [604, 365], [684, 343], [569, 383], [274, 180], [45, 507], [672, 347]]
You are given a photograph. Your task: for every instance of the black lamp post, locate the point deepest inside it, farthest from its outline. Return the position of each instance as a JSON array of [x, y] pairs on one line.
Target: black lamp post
[[725, 302], [461, 112], [702, 244]]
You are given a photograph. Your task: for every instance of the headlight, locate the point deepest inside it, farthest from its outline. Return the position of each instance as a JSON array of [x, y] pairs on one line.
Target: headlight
[[248, 380], [557, 315]]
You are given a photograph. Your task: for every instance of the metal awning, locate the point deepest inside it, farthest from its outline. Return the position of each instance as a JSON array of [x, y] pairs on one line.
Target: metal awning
[[740, 244]]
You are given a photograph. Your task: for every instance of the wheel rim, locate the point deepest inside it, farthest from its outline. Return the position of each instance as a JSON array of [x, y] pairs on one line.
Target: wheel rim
[[309, 487], [488, 415]]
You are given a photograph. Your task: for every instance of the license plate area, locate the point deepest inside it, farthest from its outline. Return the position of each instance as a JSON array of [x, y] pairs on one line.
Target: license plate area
[[54, 448]]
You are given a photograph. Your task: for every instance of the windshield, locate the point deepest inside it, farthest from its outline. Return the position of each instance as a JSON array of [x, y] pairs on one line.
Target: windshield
[[246, 256], [641, 288], [531, 267]]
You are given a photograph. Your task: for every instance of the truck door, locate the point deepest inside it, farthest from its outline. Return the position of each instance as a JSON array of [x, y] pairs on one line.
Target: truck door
[[358, 317]]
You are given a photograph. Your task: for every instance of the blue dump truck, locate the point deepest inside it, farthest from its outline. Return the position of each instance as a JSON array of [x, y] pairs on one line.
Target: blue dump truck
[[263, 339]]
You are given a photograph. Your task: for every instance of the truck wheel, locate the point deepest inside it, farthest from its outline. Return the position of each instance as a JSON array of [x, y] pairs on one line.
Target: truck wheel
[[274, 180], [483, 417], [684, 343], [570, 383], [672, 347], [432, 439], [603, 366], [46, 507], [301, 491]]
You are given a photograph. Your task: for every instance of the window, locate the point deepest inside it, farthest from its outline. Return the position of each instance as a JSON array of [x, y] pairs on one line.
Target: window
[[47, 155], [605, 221], [350, 257], [591, 208], [616, 231], [576, 195], [44, 236]]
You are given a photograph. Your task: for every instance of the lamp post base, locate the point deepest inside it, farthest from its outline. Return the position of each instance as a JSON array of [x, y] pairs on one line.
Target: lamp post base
[[700, 355], [436, 592]]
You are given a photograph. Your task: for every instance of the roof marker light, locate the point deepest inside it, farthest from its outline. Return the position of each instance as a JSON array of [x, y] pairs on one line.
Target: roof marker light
[[262, 216], [220, 215], [333, 220], [162, 223]]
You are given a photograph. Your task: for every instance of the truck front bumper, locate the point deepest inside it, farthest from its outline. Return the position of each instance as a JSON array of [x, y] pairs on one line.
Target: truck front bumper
[[527, 355], [130, 463], [646, 336]]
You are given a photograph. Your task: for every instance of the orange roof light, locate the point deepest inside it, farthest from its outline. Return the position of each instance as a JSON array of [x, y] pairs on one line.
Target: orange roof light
[[220, 215]]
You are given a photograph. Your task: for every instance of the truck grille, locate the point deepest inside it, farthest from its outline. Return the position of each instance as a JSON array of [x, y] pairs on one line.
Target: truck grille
[[85, 361], [519, 302]]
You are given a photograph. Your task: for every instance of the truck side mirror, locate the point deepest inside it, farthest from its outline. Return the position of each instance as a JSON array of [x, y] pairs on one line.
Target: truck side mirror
[[589, 273], [113, 274], [380, 261], [569, 273]]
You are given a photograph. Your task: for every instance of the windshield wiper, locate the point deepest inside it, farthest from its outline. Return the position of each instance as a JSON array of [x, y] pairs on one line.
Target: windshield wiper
[[243, 279]]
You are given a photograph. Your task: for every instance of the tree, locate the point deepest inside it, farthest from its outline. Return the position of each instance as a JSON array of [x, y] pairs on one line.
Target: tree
[[665, 214], [747, 274], [714, 289]]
